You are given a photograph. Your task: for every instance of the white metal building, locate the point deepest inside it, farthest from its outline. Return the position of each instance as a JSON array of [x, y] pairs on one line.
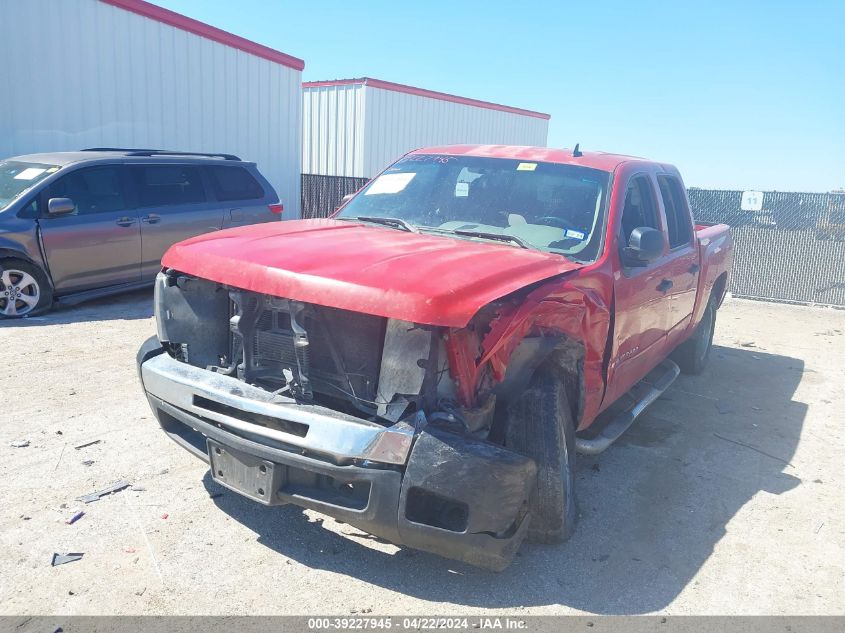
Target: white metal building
[[126, 73], [356, 127]]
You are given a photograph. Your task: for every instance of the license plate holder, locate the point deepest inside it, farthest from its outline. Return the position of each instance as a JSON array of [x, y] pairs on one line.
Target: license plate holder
[[246, 474]]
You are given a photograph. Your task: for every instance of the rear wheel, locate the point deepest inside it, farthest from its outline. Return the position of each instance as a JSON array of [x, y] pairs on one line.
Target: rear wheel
[[692, 355], [540, 426], [24, 289]]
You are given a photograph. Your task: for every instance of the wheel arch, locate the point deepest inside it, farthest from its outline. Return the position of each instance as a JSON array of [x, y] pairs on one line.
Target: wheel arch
[[560, 355], [11, 253], [720, 287]]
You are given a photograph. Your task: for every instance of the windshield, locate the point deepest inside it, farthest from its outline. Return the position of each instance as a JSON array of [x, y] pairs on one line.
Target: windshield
[[16, 177], [546, 206]]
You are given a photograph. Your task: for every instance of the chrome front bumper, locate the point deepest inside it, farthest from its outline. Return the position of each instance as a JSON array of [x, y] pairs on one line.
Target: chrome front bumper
[[251, 411]]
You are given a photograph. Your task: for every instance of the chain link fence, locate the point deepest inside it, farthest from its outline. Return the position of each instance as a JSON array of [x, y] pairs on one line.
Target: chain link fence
[[791, 249], [321, 195]]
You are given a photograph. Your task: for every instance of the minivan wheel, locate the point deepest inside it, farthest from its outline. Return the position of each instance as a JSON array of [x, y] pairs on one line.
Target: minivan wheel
[[24, 289]]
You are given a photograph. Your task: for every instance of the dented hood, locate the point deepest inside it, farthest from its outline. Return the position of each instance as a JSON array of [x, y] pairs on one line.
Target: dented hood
[[414, 277]]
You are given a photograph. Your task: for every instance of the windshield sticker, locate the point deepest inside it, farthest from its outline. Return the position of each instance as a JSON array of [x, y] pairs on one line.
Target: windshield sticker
[[461, 189], [526, 167], [390, 183], [578, 235], [426, 158], [29, 173]]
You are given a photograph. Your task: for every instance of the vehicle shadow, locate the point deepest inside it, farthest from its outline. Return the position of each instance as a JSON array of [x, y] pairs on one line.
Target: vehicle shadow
[[137, 304], [652, 507]]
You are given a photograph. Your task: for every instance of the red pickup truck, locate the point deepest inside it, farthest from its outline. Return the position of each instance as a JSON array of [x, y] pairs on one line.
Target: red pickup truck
[[426, 364]]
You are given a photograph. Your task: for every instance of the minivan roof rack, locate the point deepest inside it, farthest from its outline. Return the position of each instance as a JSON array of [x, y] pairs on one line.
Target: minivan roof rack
[[134, 151]]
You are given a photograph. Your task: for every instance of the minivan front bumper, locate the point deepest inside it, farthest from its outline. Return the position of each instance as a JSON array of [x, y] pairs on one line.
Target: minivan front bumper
[[422, 487]]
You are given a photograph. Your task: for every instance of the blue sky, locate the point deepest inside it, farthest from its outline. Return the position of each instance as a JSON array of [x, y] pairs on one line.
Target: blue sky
[[740, 95]]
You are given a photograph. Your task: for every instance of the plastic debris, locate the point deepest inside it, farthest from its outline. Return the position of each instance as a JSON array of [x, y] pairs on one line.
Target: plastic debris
[[20, 443], [724, 407], [138, 488], [75, 515], [61, 559], [96, 496], [91, 443], [165, 515]]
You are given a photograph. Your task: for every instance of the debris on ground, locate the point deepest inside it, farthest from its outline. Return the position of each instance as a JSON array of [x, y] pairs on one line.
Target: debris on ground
[[88, 462], [61, 559], [129, 550], [724, 407], [91, 443], [165, 515], [138, 488], [75, 515], [753, 448], [20, 443], [95, 496], [748, 344]]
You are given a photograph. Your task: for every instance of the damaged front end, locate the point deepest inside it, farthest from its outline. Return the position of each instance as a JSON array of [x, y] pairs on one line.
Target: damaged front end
[[365, 418]]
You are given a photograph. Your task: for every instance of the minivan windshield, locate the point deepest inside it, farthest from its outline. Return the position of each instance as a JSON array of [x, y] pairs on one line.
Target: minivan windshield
[[16, 177], [526, 204]]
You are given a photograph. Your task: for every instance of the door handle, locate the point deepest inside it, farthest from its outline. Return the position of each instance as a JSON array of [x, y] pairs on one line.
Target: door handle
[[125, 221], [152, 218], [236, 214], [665, 285], [694, 269]]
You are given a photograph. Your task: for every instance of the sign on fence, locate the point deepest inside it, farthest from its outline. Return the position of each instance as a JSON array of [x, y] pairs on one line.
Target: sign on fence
[[751, 201]]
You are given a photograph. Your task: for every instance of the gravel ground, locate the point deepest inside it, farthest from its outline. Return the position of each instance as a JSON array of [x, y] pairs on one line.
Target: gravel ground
[[727, 497]]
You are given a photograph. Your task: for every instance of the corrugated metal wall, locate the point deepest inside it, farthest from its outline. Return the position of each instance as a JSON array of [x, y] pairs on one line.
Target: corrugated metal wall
[[332, 130], [398, 122], [81, 73], [356, 130]]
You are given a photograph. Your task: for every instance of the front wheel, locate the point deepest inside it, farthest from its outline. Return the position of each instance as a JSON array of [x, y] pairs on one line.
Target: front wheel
[[24, 289], [692, 355], [540, 426]]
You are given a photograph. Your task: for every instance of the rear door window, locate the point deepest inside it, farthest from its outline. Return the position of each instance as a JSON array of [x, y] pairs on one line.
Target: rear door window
[[234, 183], [678, 223], [165, 185], [93, 190]]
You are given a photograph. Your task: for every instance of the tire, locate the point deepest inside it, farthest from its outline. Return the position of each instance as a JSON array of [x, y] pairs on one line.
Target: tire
[[692, 355], [540, 426], [24, 289]]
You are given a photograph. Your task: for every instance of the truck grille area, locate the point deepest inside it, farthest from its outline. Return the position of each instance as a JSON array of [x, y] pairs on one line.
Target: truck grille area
[[313, 351]]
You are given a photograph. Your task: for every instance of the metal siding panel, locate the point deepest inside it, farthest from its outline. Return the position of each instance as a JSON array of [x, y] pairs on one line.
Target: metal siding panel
[[138, 82], [332, 130], [399, 122]]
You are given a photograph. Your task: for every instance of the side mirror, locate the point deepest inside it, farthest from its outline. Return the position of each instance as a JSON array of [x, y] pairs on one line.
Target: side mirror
[[60, 206], [644, 246]]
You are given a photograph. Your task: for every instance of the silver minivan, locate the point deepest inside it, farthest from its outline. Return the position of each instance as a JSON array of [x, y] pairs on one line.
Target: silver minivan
[[79, 225]]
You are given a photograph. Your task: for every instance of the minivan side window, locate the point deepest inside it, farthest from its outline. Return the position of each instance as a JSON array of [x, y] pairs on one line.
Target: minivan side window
[[234, 183], [93, 190], [164, 185], [640, 207], [677, 214]]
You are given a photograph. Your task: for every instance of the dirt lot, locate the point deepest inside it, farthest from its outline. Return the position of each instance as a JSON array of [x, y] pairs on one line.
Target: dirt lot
[[727, 497]]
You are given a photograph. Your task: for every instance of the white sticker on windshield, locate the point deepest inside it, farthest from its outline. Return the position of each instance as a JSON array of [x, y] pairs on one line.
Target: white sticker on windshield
[[29, 173], [578, 235], [390, 183], [461, 189]]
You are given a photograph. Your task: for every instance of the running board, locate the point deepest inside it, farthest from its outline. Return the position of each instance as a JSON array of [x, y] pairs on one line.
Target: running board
[[657, 381]]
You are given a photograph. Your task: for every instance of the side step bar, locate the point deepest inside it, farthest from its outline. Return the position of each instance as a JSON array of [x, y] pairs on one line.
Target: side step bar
[[666, 373]]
